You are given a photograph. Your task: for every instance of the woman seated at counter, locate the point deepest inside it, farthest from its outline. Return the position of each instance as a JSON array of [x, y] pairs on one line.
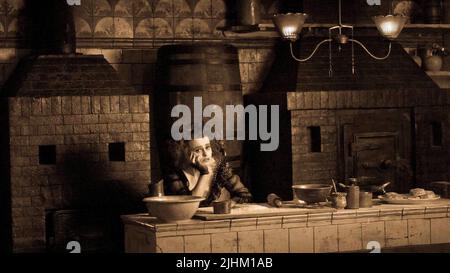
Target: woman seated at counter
[[200, 169]]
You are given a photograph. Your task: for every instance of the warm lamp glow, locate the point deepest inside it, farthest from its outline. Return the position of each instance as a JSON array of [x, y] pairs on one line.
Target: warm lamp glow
[[390, 26], [290, 25]]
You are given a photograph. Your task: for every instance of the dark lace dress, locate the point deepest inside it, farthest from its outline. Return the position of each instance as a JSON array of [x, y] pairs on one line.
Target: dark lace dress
[[176, 183]]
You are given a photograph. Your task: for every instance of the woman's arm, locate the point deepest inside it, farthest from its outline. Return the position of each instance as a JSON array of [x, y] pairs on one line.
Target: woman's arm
[[174, 185], [239, 193], [204, 183]]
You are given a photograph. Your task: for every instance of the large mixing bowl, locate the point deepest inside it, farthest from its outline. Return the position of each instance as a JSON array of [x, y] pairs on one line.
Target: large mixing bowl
[[312, 193], [173, 208]]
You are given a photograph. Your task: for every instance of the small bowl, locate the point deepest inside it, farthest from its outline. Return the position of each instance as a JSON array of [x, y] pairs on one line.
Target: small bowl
[[173, 208], [312, 193]]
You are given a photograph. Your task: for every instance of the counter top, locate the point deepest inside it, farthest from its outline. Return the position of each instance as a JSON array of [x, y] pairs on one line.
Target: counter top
[[379, 211], [307, 230]]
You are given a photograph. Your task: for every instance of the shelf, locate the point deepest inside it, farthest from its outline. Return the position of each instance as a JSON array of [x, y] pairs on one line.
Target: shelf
[[267, 30], [438, 73], [435, 26], [310, 25], [412, 26]]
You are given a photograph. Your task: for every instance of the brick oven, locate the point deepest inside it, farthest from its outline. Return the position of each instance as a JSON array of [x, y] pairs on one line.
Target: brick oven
[[389, 121], [75, 153]]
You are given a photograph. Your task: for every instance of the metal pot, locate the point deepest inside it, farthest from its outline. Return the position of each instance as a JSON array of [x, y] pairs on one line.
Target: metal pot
[[369, 184], [249, 12], [432, 63], [312, 193]]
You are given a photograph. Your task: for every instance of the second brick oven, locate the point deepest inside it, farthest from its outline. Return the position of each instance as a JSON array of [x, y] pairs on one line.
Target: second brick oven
[[75, 156], [388, 121]]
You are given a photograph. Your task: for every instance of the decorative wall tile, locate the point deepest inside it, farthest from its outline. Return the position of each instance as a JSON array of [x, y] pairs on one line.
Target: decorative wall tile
[[164, 9], [104, 28], [301, 240], [217, 26], [14, 7], [82, 27], [102, 8], [163, 28], [325, 239], [224, 242], [276, 241], [5, 8], [123, 27], [86, 9], [143, 8], [2, 28], [350, 237], [200, 28], [181, 9], [203, 9], [124, 8], [13, 28], [419, 231], [218, 9], [184, 28], [145, 28]]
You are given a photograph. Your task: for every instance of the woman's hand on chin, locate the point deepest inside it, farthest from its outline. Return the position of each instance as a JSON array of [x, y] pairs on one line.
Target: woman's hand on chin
[[211, 164]]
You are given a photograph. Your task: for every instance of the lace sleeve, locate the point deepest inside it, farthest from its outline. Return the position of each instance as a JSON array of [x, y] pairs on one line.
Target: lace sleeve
[[174, 185]]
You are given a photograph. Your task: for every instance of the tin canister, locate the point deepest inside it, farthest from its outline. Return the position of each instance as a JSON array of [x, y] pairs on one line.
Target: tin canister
[[222, 207], [365, 199], [353, 197]]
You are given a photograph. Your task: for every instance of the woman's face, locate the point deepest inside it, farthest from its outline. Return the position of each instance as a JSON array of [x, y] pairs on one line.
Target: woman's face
[[201, 148]]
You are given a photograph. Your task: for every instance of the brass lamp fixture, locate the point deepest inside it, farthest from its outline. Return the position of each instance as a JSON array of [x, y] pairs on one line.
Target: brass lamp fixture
[[290, 25]]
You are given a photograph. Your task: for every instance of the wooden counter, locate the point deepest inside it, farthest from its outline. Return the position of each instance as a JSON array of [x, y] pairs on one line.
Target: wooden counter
[[306, 231]]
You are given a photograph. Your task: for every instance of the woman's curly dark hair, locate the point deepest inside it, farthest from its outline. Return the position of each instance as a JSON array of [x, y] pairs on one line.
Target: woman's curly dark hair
[[178, 152]]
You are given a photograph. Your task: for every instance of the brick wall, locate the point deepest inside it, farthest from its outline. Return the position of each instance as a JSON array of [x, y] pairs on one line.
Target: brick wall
[[83, 176], [432, 160], [429, 161], [310, 167], [5, 188], [137, 67]]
